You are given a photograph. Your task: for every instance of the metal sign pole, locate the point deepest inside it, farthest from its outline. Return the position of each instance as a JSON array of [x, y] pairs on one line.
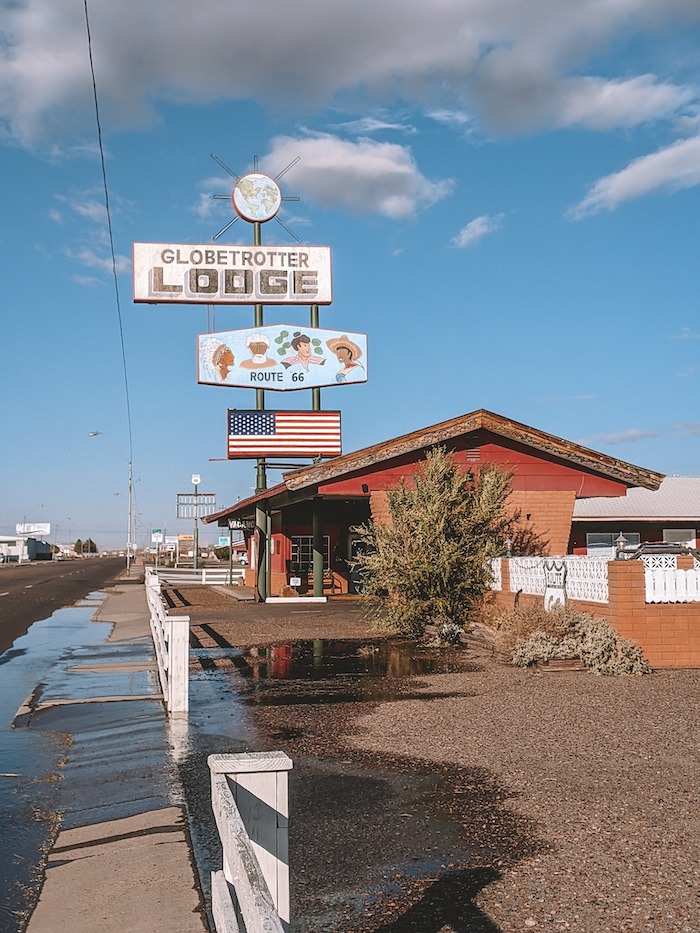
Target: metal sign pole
[[261, 576], [195, 481]]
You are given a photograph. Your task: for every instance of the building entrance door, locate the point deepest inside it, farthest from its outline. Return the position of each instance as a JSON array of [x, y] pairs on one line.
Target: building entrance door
[[356, 547]]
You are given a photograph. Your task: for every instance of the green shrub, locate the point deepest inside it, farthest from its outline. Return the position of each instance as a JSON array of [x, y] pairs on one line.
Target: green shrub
[[532, 634], [431, 560]]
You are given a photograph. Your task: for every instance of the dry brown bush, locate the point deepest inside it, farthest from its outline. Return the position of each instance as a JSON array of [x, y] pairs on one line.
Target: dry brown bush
[[510, 626]]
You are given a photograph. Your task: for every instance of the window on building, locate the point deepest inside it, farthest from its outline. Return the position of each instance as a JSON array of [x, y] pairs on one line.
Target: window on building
[[684, 536], [303, 551], [598, 539]]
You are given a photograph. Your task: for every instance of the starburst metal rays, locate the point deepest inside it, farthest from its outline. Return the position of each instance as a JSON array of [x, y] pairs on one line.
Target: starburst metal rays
[[221, 197]]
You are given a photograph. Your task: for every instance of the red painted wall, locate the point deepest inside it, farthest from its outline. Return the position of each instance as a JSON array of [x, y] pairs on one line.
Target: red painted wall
[[533, 470]]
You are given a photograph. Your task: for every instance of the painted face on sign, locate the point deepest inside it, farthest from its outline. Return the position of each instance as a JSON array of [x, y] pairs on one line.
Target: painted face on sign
[[223, 359]]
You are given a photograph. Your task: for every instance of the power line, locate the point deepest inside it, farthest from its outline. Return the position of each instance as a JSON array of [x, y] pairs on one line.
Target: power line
[[109, 226]]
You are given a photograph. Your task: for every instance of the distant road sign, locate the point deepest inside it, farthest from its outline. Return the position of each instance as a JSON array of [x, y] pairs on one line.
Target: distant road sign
[[195, 505]]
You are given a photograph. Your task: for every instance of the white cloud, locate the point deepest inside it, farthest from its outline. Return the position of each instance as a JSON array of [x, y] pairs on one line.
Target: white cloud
[[87, 281], [669, 169], [605, 105], [686, 334], [477, 229], [688, 429], [627, 437], [454, 118], [208, 205], [363, 176], [519, 65], [90, 209], [368, 124], [90, 259]]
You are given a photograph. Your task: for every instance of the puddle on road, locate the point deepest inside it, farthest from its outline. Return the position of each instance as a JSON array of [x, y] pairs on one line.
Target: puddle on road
[[333, 671]]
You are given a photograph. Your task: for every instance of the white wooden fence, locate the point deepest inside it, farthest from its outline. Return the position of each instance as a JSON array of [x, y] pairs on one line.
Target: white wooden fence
[[250, 803], [672, 586], [171, 638], [207, 576]]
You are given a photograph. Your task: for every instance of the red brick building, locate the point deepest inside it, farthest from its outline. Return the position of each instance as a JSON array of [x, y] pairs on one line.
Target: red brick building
[[549, 475]]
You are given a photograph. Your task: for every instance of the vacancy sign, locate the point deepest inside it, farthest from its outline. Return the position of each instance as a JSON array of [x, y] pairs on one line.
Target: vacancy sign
[[178, 273]]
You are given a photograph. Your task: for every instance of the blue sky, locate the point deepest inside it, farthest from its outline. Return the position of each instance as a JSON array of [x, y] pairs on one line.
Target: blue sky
[[511, 192]]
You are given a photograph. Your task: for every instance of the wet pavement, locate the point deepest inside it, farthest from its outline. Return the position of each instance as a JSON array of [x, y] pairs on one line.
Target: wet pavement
[[32, 759], [84, 742]]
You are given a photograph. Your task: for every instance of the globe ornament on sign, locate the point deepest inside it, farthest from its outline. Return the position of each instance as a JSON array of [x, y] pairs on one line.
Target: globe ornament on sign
[[256, 197]]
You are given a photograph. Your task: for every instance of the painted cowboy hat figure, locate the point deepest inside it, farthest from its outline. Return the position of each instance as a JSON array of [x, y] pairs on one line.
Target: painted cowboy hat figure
[[348, 353]]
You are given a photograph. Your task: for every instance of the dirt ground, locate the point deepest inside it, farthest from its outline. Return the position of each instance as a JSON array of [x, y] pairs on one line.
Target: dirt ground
[[475, 796]]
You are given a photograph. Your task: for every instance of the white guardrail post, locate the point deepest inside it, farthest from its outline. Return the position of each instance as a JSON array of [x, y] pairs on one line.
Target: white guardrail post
[[171, 639], [250, 804], [178, 664]]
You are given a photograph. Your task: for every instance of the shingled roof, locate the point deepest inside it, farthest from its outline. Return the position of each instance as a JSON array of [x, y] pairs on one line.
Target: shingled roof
[[443, 433], [677, 499]]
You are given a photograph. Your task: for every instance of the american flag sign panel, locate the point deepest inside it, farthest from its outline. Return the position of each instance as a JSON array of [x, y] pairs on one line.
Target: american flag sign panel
[[283, 433]]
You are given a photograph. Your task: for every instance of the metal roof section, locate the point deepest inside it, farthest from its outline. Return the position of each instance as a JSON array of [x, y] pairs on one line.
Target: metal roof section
[[676, 499], [442, 433]]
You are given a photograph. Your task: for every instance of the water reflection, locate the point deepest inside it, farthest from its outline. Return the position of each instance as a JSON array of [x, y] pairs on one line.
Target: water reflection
[[334, 671], [321, 658]]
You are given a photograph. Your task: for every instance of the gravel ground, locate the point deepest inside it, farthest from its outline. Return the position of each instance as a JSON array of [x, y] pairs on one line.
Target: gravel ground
[[606, 768], [483, 798]]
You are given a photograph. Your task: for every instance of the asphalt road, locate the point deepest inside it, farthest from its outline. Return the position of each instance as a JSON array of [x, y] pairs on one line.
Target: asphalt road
[[33, 590]]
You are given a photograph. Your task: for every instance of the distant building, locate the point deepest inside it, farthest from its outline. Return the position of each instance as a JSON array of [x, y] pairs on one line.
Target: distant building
[[17, 548], [669, 515]]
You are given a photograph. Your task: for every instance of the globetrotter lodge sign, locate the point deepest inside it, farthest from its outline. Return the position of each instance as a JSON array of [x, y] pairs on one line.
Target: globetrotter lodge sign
[[178, 273]]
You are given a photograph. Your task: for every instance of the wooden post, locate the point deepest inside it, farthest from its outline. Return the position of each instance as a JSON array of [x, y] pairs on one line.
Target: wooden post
[[317, 545], [178, 663], [258, 783]]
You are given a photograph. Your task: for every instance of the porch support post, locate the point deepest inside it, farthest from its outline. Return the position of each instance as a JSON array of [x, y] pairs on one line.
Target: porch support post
[[261, 556], [268, 556], [317, 527]]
